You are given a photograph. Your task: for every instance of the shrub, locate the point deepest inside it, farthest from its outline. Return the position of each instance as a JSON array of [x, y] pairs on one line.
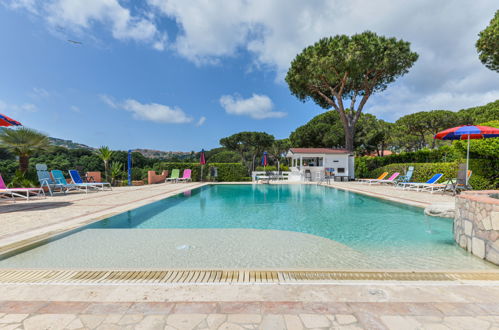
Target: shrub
[[226, 171], [485, 173]]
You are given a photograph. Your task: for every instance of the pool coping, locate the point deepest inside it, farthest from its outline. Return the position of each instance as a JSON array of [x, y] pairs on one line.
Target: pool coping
[[141, 276]]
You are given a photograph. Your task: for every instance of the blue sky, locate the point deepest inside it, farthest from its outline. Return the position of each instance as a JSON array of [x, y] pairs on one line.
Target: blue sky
[[164, 74]]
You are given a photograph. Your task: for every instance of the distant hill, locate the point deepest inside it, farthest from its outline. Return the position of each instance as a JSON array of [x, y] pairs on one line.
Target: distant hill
[[68, 144], [151, 153]]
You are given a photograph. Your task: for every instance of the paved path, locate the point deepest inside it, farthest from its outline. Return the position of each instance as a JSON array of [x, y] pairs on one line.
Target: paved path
[[338, 306], [22, 220], [410, 197]]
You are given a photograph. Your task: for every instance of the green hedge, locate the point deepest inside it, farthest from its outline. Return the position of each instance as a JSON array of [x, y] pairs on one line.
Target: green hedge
[[366, 164], [227, 172], [483, 176]]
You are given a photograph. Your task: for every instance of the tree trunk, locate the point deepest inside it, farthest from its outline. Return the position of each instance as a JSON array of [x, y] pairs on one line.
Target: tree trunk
[[106, 171], [23, 163], [349, 133]]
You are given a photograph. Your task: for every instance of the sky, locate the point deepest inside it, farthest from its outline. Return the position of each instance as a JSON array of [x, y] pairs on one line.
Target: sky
[[179, 75]]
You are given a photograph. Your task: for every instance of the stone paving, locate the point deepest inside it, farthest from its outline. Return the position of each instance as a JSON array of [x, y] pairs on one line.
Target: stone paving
[[410, 197], [377, 310], [27, 219]]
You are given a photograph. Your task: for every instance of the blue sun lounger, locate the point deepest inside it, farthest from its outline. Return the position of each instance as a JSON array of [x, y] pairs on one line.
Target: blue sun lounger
[[420, 185], [76, 178], [46, 181], [61, 180]]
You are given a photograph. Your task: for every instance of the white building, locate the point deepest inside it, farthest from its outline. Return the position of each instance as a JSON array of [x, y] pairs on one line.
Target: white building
[[310, 164]]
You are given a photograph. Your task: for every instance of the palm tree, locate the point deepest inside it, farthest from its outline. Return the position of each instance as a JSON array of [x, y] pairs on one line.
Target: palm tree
[[23, 142], [105, 154]]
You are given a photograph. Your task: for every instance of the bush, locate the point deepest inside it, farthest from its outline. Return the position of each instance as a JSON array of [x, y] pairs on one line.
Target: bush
[[227, 172], [422, 171], [366, 164], [485, 173]]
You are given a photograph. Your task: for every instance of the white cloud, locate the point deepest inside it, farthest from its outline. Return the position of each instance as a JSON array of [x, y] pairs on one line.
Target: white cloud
[[156, 112], [17, 108], [275, 31], [256, 107], [81, 15], [109, 101], [38, 92], [74, 108], [201, 121]]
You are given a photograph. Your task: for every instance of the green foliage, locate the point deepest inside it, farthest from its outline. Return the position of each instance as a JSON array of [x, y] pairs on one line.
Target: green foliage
[[481, 148], [422, 171], [342, 68], [23, 142], [105, 154], [326, 131], [117, 172], [487, 44], [485, 174], [23, 180], [224, 156], [365, 165], [322, 131], [227, 172], [416, 130], [249, 145], [480, 114]]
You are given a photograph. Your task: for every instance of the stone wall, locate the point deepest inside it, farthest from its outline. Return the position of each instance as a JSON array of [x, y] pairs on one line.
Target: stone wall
[[476, 224]]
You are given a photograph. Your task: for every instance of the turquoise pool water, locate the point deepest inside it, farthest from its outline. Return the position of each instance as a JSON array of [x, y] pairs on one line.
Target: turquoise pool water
[[277, 226]]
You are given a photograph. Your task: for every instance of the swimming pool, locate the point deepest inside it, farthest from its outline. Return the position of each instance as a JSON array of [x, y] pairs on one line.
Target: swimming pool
[[259, 227]]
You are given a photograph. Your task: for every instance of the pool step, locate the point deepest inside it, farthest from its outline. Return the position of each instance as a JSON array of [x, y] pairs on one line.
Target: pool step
[[228, 276]]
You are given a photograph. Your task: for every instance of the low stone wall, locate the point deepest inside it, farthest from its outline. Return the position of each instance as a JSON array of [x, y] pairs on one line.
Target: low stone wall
[[476, 224]]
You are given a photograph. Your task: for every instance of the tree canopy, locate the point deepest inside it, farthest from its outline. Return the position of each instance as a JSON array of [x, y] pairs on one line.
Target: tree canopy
[[248, 145], [343, 68], [487, 44]]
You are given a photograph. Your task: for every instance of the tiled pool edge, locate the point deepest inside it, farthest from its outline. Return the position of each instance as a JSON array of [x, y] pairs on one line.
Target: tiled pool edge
[[380, 196], [143, 277]]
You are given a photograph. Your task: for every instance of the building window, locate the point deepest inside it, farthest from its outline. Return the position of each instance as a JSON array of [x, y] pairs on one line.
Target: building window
[[341, 170]]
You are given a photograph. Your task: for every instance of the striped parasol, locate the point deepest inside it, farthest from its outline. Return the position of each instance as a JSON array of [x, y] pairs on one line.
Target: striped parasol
[[7, 121], [467, 132]]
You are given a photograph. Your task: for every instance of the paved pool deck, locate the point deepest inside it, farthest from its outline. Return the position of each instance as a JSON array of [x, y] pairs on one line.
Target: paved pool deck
[[338, 304]]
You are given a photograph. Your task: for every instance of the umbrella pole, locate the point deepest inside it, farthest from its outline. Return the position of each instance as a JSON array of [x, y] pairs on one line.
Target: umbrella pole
[[467, 160], [201, 179]]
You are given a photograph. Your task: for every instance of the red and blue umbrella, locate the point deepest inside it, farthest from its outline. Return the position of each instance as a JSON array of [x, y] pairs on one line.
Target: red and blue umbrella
[[467, 132], [7, 121], [264, 159]]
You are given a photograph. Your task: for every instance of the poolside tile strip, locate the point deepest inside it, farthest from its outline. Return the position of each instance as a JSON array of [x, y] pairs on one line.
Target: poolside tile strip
[[229, 276]]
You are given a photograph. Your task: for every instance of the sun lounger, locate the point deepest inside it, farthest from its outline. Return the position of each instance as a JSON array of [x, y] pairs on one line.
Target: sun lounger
[[370, 181], [390, 180], [419, 185], [45, 180], [186, 176], [76, 178], [6, 194], [407, 177], [454, 185], [61, 179], [20, 192], [174, 176]]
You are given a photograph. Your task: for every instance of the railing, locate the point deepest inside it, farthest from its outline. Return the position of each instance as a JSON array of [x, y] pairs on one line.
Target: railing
[[269, 175]]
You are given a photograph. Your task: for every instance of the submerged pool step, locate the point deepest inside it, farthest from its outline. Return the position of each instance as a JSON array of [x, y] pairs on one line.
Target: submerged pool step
[[228, 276]]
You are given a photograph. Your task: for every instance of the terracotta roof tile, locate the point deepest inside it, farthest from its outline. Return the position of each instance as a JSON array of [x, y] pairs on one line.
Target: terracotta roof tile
[[318, 151]]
